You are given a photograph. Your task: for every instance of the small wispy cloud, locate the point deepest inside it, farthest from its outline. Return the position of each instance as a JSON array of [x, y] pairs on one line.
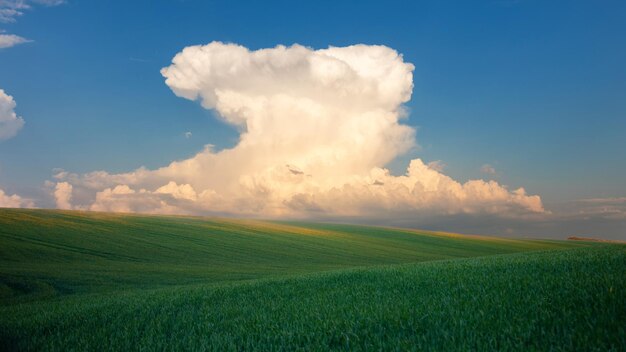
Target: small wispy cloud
[[49, 2], [600, 208], [10, 10], [488, 170], [188, 134], [613, 200], [437, 165], [9, 40]]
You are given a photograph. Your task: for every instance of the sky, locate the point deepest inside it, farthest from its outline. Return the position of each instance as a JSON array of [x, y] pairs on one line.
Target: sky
[[495, 117]]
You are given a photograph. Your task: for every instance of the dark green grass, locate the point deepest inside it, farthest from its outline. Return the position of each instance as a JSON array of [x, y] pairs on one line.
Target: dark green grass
[[98, 281], [551, 300], [45, 253]]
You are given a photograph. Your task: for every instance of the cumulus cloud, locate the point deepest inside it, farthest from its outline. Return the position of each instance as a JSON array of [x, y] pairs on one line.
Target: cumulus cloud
[[63, 195], [10, 123], [316, 129], [164, 200], [9, 40], [14, 201]]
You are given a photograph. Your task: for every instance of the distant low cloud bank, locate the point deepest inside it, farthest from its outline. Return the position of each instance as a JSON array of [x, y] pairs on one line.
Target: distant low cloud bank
[[333, 115], [14, 201]]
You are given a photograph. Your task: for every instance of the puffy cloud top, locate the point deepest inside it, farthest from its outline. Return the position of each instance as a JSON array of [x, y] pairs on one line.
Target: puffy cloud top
[[10, 123], [231, 78], [317, 128]]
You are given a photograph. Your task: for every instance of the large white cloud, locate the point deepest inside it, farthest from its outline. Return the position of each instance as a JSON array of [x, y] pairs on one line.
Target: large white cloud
[[14, 201], [317, 128], [10, 123]]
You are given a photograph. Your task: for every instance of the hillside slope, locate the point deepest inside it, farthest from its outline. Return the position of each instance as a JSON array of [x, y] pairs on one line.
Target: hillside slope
[[572, 299], [48, 253]]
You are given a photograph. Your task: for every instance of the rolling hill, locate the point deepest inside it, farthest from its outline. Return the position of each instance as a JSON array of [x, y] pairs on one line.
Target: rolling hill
[[89, 281]]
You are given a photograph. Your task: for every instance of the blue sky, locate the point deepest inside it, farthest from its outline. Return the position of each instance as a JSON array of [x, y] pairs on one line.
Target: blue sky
[[535, 89]]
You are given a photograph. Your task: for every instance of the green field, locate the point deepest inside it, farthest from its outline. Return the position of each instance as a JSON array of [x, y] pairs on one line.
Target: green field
[[93, 281]]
